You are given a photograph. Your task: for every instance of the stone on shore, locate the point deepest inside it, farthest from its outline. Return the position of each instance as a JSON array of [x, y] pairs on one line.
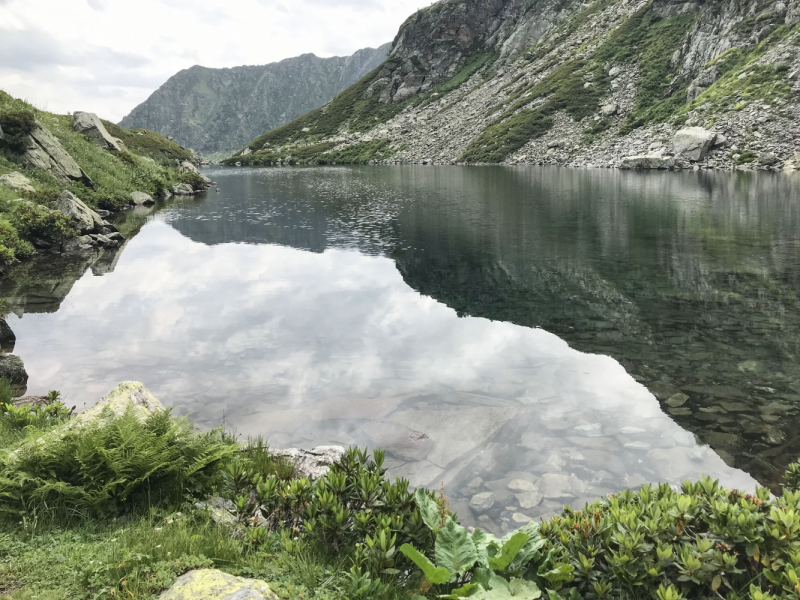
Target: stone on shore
[[211, 584], [17, 182], [693, 143], [13, 369], [142, 199], [648, 162], [182, 189], [90, 125], [312, 463], [187, 167], [84, 218]]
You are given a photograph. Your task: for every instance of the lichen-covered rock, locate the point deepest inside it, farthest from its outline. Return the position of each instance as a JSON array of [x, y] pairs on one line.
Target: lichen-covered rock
[[125, 395], [90, 125], [211, 584], [693, 142], [141, 199], [182, 189], [312, 463], [12, 368], [84, 218], [17, 182], [44, 151], [187, 167]]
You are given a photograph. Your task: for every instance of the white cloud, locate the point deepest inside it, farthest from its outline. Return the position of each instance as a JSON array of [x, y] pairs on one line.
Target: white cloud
[[108, 57]]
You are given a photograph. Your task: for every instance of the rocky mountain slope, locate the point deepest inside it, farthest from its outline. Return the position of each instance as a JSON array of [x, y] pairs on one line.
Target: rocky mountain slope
[[219, 110], [604, 83]]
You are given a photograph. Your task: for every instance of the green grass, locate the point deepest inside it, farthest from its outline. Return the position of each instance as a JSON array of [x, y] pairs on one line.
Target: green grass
[[318, 154]]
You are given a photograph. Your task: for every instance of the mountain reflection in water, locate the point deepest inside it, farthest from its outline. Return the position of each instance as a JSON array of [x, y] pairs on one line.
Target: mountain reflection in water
[[420, 309]]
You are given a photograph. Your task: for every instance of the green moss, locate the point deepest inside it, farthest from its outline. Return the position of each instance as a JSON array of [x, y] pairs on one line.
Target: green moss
[[16, 126], [359, 153], [322, 154], [746, 157]]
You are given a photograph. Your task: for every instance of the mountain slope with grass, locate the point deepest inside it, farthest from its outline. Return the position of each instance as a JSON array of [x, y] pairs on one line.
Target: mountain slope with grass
[[34, 176], [604, 83], [217, 111]]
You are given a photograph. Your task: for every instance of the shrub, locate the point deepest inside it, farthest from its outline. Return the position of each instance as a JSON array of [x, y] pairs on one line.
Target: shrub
[[111, 465], [39, 222], [17, 125], [11, 246]]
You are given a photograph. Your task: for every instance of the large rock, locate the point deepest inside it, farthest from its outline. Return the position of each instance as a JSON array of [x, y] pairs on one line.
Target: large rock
[[211, 584], [44, 151], [182, 189], [17, 182], [90, 125], [126, 395], [142, 199], [693, 143], [187, 167], [84, 218], [13, 369], [648, 161], [7, 338], [312, 463]]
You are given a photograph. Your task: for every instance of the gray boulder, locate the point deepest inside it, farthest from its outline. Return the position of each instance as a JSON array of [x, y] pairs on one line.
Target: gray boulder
[[693, 143], [13, 369], [648, 161], [211, 584], [141, 199], [84, 218], [182, 189], [17, 182], [609, 110], [312, 463], [187, 167], [90, 125], [43, 151]]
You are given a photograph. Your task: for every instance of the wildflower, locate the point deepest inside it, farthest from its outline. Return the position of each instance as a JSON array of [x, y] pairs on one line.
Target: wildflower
[[159, 546], [157, 529], [113, 539]]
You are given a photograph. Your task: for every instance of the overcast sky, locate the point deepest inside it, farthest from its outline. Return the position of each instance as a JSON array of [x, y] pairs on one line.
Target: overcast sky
[[107, 56]]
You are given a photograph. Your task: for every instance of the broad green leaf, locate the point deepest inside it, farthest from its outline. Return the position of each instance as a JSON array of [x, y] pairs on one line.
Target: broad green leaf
[[531, 529], [464, 591], [561, 574], [482, 540], [500, 589], [481, 576], [435, 575], [455, 550], [428, 509], [521, 588], [508, 551]]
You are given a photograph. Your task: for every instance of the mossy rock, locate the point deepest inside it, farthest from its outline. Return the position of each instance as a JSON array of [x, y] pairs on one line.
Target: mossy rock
[[211, 584]]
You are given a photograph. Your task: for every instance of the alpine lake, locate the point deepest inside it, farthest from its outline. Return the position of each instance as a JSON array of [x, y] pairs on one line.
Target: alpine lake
[[525, 337]]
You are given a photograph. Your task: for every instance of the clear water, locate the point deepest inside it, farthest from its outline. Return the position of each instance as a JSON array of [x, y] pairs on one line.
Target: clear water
[[527, 337]]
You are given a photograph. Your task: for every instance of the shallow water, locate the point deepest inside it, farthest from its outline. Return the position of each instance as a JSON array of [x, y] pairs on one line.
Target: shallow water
[[526, 336]]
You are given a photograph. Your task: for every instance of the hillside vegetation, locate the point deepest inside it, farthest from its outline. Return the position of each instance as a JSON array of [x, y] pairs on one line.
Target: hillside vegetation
[[148, 165], [567, 82]]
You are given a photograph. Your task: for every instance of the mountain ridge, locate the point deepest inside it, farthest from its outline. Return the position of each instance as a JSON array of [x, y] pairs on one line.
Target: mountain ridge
[[217, 111], [603, 83]]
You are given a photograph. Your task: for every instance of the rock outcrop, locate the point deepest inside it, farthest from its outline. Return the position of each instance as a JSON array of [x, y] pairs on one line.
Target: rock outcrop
[[127, 395], [183, 189], [84, 218], [17, 182], [90, 125], [7, 338], [655, 160], [312, 463], [211, 584], [44, 151], [221, 110]]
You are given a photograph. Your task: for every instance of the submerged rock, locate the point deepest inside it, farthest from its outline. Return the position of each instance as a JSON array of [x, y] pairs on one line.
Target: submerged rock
[[483, 501], [211, 584], [312, 463], [655, 160], [17, 182], [90, 125], [12, 368]]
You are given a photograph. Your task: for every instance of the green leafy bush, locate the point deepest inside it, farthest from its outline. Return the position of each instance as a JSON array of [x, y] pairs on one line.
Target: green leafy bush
[[39, 222], [11, 246], [16, 125]]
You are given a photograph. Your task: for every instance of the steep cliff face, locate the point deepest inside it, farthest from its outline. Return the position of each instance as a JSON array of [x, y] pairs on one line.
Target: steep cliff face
[[220, 110], [568, 82]]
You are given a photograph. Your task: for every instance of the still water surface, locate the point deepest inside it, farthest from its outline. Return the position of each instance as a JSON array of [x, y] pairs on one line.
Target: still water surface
[[526, 336]]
